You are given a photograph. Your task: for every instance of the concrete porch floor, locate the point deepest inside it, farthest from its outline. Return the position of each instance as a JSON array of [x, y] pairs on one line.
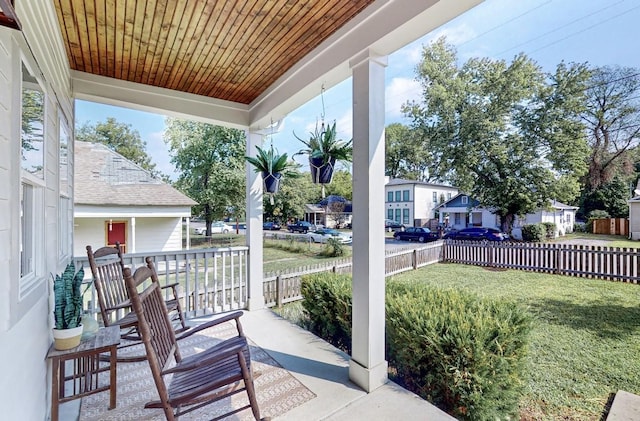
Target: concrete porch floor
[[324, 370]]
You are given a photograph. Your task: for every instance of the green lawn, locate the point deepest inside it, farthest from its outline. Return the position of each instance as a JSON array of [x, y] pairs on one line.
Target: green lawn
[[612, 240], [586, 340]]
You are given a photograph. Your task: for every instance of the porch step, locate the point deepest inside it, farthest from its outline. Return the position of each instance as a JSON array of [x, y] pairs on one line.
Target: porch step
[[625, 407]]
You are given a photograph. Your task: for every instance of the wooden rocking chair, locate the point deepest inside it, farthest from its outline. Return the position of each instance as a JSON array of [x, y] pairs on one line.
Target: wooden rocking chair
[[200, 379], [107, 267]]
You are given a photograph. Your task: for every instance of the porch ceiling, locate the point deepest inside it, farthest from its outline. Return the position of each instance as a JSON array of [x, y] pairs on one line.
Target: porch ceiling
[[231, 50], [238, 63]]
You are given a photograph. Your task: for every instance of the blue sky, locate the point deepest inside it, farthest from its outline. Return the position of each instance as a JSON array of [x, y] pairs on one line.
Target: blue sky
[[600, 32]]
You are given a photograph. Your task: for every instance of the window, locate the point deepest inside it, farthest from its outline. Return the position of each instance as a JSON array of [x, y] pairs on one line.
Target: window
[[435, 197], [398, 196], [405, 195], [405, 216], [32, 185], [465, 200], [32, 125], [449, 196], [65, 216], [457, 219], [398, 215], [390, 196], [390, 214]]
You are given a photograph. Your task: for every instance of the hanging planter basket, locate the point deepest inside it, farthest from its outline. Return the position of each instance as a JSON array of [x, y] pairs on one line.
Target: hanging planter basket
[[321, 173], [271, 181]]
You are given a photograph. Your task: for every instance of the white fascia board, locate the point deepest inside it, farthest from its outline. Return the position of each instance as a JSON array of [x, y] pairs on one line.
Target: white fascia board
[[169, 102], [383, 28], [84, 211]]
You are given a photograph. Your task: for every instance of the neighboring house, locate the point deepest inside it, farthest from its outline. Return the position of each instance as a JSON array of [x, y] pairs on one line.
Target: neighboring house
[[413, 202], [634, 216], [464, 211], [329, 215], [564, 216], [116, 200]]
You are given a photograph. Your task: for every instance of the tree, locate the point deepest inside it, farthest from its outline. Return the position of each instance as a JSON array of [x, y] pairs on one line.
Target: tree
[[341, 185], [610, 197], [210, 162], [121, 138], [505, 133], [612, 117], [407, 153]]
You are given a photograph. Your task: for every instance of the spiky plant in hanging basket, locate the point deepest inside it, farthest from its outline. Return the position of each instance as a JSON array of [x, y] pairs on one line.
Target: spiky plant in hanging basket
[[273, 166], [324, 144], [68, 298], [324, 149]]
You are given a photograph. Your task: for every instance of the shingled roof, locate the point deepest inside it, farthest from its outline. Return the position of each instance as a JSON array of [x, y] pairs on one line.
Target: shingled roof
[[106, 178]]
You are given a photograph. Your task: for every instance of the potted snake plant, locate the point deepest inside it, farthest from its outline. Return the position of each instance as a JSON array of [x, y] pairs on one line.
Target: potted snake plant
[[324, 150], [68, 308], [273, 167]]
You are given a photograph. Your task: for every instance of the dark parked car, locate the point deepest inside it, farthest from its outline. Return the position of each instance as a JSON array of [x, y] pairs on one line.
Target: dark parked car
[[419, 234], [477, 234], [301, 226], [391, 225], [272, 226]]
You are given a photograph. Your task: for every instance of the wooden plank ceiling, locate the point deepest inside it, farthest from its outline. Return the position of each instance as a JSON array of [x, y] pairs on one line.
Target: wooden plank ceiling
[[231, 50]]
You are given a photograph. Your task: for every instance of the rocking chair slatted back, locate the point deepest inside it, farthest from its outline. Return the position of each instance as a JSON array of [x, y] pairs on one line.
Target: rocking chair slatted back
[[163, 339], [200, 379], [106, 267]]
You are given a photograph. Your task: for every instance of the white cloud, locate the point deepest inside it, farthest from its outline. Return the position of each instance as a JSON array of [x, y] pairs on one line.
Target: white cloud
[[399, 91], [456, 35]]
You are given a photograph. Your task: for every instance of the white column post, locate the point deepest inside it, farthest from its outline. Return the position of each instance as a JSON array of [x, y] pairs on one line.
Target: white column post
[[368, 368], [254, 227], [132, 233]]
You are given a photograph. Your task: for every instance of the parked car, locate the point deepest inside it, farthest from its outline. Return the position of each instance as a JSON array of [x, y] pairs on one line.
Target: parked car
[[419, 234], [390, 225], [477, 234], [272, 226], [322, 235], [301, 226], [217, 227]]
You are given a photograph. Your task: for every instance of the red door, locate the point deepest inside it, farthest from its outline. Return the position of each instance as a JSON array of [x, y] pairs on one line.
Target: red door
[[116, 231]]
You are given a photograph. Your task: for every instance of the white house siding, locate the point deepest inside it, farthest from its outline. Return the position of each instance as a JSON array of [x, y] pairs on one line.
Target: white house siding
[[162, 233], [420, 204], [25, 324], [634, 218]]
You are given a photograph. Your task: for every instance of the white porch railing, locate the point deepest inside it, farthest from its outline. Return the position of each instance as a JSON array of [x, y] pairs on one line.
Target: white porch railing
[[210, 280]]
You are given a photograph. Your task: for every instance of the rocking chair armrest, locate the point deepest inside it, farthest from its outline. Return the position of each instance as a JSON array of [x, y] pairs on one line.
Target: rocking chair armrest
[[231, 316], [219, 352], [172, 286], [119, 306]]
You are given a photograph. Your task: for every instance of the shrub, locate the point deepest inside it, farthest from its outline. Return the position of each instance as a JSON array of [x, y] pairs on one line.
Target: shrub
[[533, 232], [327, 303], [550, 229], [462, 353], [333, 248]]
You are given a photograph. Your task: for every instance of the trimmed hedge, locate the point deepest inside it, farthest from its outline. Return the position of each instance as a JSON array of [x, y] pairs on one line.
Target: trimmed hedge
[[463, 353], [550, 229], [533, 232], [327, 303]]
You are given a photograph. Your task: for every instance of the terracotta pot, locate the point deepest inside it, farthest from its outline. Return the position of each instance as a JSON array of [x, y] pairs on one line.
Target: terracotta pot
[[321, 173], [64, 339]]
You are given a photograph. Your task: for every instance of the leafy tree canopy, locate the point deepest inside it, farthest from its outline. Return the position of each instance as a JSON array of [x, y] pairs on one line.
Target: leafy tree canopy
[[211, 166], [407, 153], [119, 137], [506, 133]]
